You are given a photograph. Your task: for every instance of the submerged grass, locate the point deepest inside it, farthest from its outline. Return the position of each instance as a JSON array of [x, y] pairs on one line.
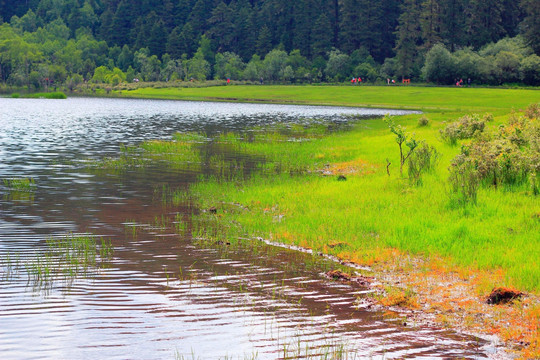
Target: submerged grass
[[64, 258], [19, 189], [19, 184]]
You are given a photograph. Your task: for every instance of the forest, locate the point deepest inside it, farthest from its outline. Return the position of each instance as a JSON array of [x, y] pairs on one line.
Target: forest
[[69, 42]]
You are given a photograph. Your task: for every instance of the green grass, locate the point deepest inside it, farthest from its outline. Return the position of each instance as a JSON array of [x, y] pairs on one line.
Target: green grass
[[47, 95], [371, 212], [64, 258], [19, 184], [289, 201], [402, 97]]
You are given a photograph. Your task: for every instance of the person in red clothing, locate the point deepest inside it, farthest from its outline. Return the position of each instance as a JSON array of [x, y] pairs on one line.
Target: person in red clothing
[[228, 81]]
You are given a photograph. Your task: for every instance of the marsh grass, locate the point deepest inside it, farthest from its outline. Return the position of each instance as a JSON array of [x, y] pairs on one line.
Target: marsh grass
[[19, 184], [19, 189], [64, 258], [373, 212], [284, 198], [291, 351]]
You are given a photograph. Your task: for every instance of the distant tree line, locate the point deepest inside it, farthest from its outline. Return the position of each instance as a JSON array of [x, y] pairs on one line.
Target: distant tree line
[[113, 41]]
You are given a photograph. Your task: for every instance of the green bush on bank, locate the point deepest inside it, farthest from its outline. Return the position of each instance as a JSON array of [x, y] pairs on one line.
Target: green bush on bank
[[51, 95], [508, 157]]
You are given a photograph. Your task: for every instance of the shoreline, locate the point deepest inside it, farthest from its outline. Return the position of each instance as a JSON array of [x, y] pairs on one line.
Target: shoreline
[[447, 294]]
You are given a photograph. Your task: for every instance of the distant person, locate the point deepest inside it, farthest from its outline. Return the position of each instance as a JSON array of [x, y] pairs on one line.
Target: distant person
[[388, 81], [469, 82], [393, 82], [353, 81], [261, 80], [359, 80], [228, 81]]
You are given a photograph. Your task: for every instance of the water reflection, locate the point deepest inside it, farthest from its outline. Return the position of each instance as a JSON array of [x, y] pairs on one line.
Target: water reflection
[[165, 293]]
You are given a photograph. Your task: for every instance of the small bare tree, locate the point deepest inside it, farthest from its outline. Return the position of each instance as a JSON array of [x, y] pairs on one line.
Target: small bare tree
[[401, 138]]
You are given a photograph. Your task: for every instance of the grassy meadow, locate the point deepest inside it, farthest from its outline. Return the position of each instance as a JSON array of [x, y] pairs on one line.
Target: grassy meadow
[[341, 192], [372, 213], [400, 97]]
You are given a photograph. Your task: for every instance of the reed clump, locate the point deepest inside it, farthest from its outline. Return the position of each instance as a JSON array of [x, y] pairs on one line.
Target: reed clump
[[19, 184], [64, 258]]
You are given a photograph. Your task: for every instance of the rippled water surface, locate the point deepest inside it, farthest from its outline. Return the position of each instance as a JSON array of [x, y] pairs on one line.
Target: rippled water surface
[[163, 295]]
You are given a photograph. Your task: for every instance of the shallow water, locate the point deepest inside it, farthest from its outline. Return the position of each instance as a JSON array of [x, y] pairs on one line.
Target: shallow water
[[163, 295]]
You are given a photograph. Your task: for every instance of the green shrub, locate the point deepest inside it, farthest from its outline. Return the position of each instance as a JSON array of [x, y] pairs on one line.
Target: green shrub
[[466, 127], [533, 111], [422, 160], [55, 95], [509, 157], [51, 95], [15, 95], [423, 121], [464, 179]]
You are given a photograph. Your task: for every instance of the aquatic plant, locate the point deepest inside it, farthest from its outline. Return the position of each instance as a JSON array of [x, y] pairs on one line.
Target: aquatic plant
[[64, 258], [19, 184]]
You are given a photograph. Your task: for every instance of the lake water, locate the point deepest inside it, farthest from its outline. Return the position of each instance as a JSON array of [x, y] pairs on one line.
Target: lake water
[[162, 295]]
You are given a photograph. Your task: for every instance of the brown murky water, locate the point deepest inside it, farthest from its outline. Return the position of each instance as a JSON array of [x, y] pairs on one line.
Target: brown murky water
[[164, 295]]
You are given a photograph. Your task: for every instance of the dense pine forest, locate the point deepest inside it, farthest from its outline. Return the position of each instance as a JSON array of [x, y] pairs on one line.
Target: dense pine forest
[[44, 42]]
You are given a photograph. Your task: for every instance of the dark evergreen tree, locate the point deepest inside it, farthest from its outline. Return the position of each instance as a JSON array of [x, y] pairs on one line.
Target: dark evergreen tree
[[182, 9], [221, 29], [175, 43], [409, 35], [157, 41], [122, 24], [512, 15], [264, 41], [199, 16], [531, 24], [245, 36], [484, 23], [303, 23], [391, 10], [453, 23], [349, 28], [322, 36], [370, 24], [430, 22], [189, 38]]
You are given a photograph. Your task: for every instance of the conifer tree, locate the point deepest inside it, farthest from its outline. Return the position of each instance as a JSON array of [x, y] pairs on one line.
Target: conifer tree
[[484, 21], [322, 36], [349, 29], [245, 33], [531, 24], [264, 41], [430, 21], [452, 23], [408, 39], [175, 44], [222, 27]]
